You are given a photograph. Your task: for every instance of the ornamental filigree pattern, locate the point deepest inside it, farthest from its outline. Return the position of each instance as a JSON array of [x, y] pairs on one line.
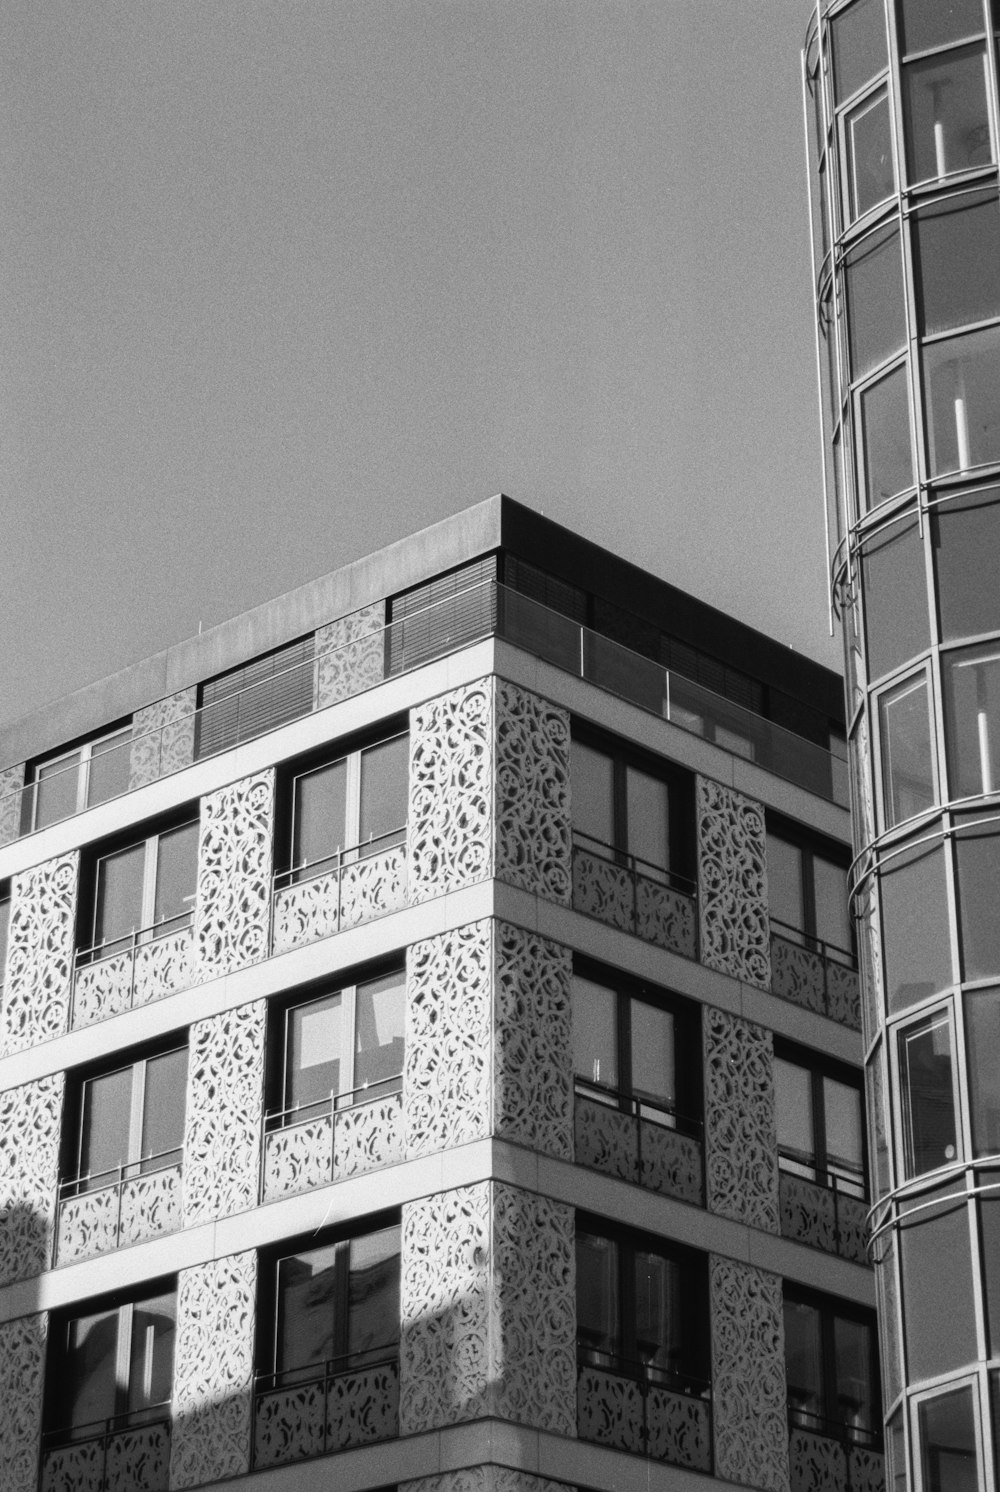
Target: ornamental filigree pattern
[[30, 1120], [223, 1116], [610, 1410], [446, 1087], [151, 1205], [11, 783], [147, 973], [488, 1313], [87, 1225], [312, 1419], [297, 1158], [367, 1136], [213, 1370], [40, 954], [844, 995], [22, 1359], [816, 1463], [234, 874], [866, 1470], [603, 890], [343, 898], [350, 655], [807, 1212], [533, 1079], [533, 839], [665, 917], [362, 1407], [732, 884], [797, 974], [852, 1229], [162, 738], [748, 1375], [679, 1429], [740, 1134], [451, 791], [606, 1139], [671, 1163], [306, 912], [74, 1468], [485, 1479], [139, 1460], [289, 1425]]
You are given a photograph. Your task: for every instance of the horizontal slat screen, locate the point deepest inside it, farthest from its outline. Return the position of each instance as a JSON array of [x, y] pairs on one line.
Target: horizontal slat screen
[[444, 614], [255, 698]]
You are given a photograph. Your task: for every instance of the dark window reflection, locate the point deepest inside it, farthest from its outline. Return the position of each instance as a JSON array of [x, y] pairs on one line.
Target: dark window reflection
[[966, 542], [895, 591], [338, 1303], [989, 1226], [947, 123], [968, 235], [830, 1370], [871, 176], [876, 319], [916, 928], [948, 1443], [982, 1036], [962, 385], [938, 1304], [887, 454], [927, 1095], [972, 719], [977, 857], [931, 23], [859, 46]]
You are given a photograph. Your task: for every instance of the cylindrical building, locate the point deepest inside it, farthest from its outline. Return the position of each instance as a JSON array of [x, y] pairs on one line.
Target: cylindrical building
[[902, 122]]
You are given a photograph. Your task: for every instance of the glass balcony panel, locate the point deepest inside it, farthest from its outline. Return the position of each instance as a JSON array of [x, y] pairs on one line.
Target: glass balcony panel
[[972, 719], [859, 46], [947, 122], [962, 382], [968, 235], [886, 454], [948, 1443], [982, 1038], [868, 163], [908, 785], [977, 859], [933, 23], [56, 788], [897, 619], [917, 932], [876, 306], [966, 542], [107, 774]]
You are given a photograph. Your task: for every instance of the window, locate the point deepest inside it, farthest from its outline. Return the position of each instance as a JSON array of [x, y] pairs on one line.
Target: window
[[972, 719], [859, 46], [946, 114], [349, 807], [91, 773], [638, 1046], [633, 809], [131, 1121], [908, 784], [961, 377], [443, 614], [927, 1094], [257, 697], [831, 1368], [641, 1307], [819, 1116], [876, 307], [977, 873], [897, 618], [144, 890], [885, 452], [966, 539], [333, 1307], [344, 1044], [947, 1433], [867, 154], [807, 890], [111, 1368]]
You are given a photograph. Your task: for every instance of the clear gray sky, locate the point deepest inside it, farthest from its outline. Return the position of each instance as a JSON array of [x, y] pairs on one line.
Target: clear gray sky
[[281, 282]]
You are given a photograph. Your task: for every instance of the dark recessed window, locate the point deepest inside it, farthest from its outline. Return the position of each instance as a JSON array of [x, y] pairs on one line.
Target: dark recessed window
[[831, 1368], [965, 534], [925, 1052], [347, 806], [90, 773], [143, 890], [887, 462], [819, 1111], [632, 809], [807, 890]]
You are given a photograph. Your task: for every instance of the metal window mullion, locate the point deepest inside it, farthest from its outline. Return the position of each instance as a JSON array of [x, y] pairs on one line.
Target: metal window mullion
[[352, 816], [123, 1352], [83, 776], [150, 868], [348, 1009], [137, 1113]]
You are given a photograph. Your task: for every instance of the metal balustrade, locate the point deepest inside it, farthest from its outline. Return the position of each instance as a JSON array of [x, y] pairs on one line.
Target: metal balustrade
[[634, 1407], [122, 973], [325, 1407], [129, 1451], [344, 1135], [829, 1456], [814, 974], [639, 1141], [826, 1211], [634, 895], [353, 885], [110, 1209]]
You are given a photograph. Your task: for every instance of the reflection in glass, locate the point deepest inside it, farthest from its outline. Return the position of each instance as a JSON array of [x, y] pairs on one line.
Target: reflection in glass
[[315, 1063], [320, 830], [842, 1119], [982, 1038], [794, 1117], [927, 1095], [876, 306], [852, 1345], [784, 886], [962, 379], [657, 1312], [947, 124], [948, 1443], [859, 46], [597, 1324], [647, 815], [56, 789], [833, 922], [595, 1032], [383, 790], [379, 1023], [972, 719], [977, 860], [176, 874], [932, 23], [897, 620], [966, 541], [652, 1031], [916, 932], [907, 763], [107, 775], [803, 1363], [337, 1300], [989, 1229], [868, 155], [945, 236], [887, 455]]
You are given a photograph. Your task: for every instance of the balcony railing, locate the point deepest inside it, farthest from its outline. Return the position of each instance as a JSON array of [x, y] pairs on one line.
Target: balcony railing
[[834, 1457], [341, 890], [651, 1413], [129, 1451], [345, 1135], [100, 1212], [634, 895], [126, 972], [330, 1407], [816, 975], [639, 1141], [827, 1212], [488, 609]]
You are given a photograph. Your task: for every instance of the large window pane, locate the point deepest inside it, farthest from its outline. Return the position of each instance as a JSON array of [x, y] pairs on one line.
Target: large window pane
[[972, 719], [176, 874], [595, 1032], [989, 1227], [927, 1095], [868, 155], [91, 1364], [876, 318], [794, 1116], [56, 787], [383, 789], [859, 46], [916, 928], [947, 124], [897, 619], [316, 1064], [842, 1116], [4, 934], [657, 1312], [373, 1294], [932, 23], [833, 923], [856, 1396], [105, 1128], [948, 1443], [119, 895], [108, 773], [977, 857], [907, 763], [969, 236], [597, 1323], [378, 1030], [320, 807], [593, 793], [982, 1035], [648, 820], [652, 1033], [939, 1317], [962, 380], [784, 884], [803, 1363], [966, 539], [887, 455], [163, 1104], [151, 1352], [307, 1304]]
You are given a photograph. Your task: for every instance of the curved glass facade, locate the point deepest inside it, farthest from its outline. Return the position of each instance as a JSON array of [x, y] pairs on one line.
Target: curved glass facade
[[902, 120]]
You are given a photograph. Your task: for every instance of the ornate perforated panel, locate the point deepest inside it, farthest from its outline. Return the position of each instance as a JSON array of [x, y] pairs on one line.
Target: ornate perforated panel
[[234, 874], [807, 1212], [603, 890], [606, 1139], [22, 1361], [358, 892], [665, 917], [741, 1142], [450, 835], [679, 1429], [40, 953], [312, 1154], [816, 1463], [485, 1479], [488, 1314], [162, 738], [30, 1120], [138, 977], [213, 1370], [533, 837], [223, 1116], [866, 1470], [11, 782], [87, 1225], [844, 995], [350, 655], [446, 1087], [748, 1375], [138, 1460], [533, 1080], [362, 1407], [797, 974], [732, 885], [311, 1419], [671, 1163]]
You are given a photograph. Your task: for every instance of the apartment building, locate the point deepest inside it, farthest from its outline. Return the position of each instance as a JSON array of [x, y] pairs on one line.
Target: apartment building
[[430, 1047]]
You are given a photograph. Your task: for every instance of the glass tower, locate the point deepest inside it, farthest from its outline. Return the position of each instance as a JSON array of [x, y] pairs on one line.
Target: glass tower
[[902, 126]]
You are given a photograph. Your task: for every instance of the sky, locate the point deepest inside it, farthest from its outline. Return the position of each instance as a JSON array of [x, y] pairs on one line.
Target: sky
[[280, 283]]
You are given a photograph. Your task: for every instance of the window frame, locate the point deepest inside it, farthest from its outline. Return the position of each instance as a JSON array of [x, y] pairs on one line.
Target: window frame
[[74, 1180], [938, 1013], [908, 677], [831, 1309], [819, 1066], [6, 905], [812, 846], [149, 929], [85, 752]]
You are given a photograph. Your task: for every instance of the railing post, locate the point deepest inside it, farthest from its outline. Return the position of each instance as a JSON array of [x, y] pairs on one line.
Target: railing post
[[121, 1188], [333, 1136]]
